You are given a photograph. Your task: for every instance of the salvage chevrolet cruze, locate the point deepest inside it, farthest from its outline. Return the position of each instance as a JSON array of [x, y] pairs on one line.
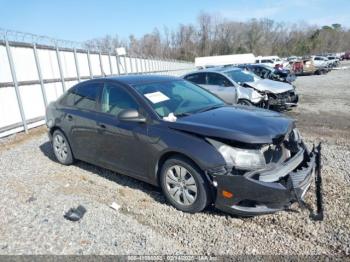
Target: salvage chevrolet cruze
[[174, 134]]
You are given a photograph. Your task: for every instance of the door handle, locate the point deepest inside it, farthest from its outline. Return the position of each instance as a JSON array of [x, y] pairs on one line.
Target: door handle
[[69, 117], [102, 126]]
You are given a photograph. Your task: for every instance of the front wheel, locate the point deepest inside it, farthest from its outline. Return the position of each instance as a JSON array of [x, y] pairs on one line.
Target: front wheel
[[244, 102], [61, 148], [183, 185]]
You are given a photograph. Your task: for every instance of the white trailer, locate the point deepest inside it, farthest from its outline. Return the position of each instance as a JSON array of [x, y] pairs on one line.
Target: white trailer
[[221, 60]]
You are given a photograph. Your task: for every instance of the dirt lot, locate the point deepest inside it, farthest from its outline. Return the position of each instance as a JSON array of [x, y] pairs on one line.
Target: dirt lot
[[324, 109], [35, 192]]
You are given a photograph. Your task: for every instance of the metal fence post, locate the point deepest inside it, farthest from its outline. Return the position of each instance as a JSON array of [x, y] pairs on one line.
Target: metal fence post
[[125, 67], [110, 63], [146, 67], [101, 66], [76, 63], [154, 65], [136, 64], [15, 83], [149, 65], [131, 67], [141, 65], [38, 67], [158, 65], [165, 66], [60, 69], [89, 63], [117, 59], [169, 66]]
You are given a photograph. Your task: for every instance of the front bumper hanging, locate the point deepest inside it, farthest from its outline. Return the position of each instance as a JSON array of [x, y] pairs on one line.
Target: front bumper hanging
[[271, 196], [318, 216], [318, 181]]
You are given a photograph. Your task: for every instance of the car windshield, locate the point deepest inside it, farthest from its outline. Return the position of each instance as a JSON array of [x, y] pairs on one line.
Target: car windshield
[[242, 76], [179, 97]]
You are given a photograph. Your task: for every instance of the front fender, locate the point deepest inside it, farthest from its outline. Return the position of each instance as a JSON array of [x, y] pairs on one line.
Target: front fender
[[249, 94], [194, 147]]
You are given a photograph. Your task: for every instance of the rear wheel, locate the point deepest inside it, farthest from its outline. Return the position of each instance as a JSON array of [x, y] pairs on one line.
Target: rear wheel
[[61, 148], [183, 185], [244, 102]]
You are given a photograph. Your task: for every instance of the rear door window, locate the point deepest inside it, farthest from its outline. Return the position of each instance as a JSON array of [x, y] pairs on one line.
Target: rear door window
[[196, 78], [218, 80]]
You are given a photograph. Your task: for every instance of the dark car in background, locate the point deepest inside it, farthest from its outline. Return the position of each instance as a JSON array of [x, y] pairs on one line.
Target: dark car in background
[[345, 56], [171, 133], [268, 72]]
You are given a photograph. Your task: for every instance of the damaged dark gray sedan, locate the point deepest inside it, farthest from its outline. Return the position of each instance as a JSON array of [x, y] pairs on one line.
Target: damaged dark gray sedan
[[171, 133]]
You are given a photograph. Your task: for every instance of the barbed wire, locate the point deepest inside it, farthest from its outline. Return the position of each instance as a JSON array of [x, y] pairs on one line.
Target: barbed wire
[[18, 36], [24, 37]]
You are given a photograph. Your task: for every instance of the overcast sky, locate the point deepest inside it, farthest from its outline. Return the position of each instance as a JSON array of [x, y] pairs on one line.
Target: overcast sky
[[83, 20]]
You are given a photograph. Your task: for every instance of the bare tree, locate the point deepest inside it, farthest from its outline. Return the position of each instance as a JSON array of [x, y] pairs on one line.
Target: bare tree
[[215, 36]]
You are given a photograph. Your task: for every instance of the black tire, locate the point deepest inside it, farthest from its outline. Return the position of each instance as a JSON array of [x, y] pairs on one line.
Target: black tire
[[64, 153], [203, 193], [244, 102]]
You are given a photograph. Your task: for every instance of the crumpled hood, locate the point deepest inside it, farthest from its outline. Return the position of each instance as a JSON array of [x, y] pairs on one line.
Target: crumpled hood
[[242, 124], [275, 87]]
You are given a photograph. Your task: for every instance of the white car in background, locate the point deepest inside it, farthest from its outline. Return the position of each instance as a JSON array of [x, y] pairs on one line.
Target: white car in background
[[269, 60], [333, 60], [321, 61]]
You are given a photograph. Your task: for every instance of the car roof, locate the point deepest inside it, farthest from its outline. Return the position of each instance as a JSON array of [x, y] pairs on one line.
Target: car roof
[[218, 69], [142, 79], [257, 65]]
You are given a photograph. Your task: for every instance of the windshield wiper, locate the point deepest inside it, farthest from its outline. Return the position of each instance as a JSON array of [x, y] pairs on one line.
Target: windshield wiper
[[208, 108], [183, 114]]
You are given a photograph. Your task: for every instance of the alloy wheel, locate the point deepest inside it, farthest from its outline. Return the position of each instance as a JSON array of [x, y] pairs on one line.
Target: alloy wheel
[[60, 147], [181, 185]]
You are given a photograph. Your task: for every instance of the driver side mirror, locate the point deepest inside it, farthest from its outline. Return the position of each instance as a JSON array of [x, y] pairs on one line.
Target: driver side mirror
[[131, 115]]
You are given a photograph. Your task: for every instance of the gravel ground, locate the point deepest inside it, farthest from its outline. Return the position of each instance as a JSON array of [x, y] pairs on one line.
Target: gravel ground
[[36, 191]]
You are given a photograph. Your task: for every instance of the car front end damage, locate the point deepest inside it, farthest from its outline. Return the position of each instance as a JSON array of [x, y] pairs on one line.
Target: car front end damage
[[256, 97], [267, 100], [289, 170], [283, 100]]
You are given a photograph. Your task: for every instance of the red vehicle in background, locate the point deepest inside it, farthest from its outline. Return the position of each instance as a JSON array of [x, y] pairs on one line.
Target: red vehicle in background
[[346, 56], [297, 67]]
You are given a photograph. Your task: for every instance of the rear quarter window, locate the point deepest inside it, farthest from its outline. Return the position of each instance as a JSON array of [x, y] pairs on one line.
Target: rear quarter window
[[82, 96]]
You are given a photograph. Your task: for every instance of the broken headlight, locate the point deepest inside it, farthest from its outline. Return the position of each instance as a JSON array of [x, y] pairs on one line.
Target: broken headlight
[[244, 159], [256, 97], [296, 135]]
